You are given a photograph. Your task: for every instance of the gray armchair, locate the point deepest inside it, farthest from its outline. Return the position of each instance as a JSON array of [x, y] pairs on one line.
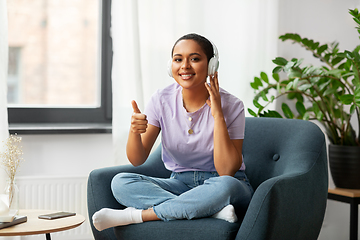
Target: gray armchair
[[286, 164]]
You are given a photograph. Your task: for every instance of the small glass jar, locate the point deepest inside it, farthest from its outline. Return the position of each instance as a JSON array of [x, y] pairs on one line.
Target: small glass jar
[[12, 195]]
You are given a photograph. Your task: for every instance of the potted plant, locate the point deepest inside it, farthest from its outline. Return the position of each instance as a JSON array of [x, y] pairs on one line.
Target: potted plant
[[329, 94]]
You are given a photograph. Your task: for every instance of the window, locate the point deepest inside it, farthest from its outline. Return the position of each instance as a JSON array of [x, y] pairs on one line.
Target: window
[[13, 81], [60, 57]]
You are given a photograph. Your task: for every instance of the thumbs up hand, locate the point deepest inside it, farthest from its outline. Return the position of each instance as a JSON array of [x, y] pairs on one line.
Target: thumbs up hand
[[138, 120]]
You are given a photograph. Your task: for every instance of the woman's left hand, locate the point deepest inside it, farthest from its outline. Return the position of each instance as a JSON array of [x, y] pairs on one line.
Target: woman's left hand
[[215, 98]]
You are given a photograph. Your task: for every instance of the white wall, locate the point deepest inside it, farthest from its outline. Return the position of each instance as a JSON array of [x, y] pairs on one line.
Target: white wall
[[324, 21], [65, 154]]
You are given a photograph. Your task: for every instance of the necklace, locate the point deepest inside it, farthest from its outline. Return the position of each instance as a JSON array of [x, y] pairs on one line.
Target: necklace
[[192, 120]]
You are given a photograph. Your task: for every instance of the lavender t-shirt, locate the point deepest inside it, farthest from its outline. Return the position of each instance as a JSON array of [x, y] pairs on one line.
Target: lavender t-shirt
[[182, 151]]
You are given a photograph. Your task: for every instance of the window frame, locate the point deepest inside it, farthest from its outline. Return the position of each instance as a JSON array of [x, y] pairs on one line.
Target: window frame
[[22, 118]]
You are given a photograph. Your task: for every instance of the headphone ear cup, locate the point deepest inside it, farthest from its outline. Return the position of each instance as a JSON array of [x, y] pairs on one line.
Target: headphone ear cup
[[169, 68], [213, 66]]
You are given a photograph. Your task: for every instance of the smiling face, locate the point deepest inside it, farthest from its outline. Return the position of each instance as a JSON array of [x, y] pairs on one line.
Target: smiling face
[[189, 64]]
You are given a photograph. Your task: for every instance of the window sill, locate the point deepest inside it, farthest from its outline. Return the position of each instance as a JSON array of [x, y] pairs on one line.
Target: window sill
[[60, 128]]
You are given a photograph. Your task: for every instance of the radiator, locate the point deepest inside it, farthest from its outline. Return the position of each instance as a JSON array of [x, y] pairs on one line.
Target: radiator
[[58, 194]]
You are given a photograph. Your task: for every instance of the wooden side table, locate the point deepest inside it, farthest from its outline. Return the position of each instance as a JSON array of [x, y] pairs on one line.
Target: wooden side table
[[34, 225], [351, 196]]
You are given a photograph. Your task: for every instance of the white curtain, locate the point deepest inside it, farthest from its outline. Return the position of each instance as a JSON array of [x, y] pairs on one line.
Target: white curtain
[[4, 132], [143, 33]]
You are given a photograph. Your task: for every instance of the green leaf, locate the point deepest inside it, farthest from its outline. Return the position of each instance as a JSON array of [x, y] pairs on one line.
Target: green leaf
[[357, 102], [315, 45], [297, 37], [354, 12], [263, 95], [300, 108], [356, 75], [346, 65], [276, 77], [306, 116], [257, 105], [329, 91], [254, 86], [324, 85], [357, 20], [264, 77], [290, 36], [320, 116], [305, 41], [287, 111], [334, 46], [295, 83], [289, 65], [288, 86], [291, 95], [294, 74], [357, 92], [336, 60], [298, 62], [322, 48], [252, 113], [304, 87], [347, 99], [271, 113], [299, 97], [257, 83], [356, 55], [357, 96], [327, 56], [277, 69], [280, 61], [314, 80], [337, 113], [357, 48], [355, 81], [341, 54], [315, 108], [348, 54], [353, 108], [335, 72], [348, 74]]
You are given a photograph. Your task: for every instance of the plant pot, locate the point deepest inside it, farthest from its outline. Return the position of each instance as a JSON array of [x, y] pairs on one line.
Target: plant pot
[[345, 166]]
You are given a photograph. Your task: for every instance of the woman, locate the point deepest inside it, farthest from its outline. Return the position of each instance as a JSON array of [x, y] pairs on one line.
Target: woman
[[202, 128]]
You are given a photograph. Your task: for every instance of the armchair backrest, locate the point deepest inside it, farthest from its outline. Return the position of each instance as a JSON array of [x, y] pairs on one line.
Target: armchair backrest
[[274, 147]]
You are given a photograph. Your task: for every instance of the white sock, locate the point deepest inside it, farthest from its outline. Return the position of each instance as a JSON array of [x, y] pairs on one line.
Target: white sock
[[227, 214], [107, 218]]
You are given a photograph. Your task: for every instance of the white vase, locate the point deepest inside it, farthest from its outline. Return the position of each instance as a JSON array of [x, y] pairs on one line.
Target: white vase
[[12, 195]]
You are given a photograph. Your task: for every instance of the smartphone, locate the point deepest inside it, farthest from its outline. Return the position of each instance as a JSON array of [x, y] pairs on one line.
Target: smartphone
[[56, 215]]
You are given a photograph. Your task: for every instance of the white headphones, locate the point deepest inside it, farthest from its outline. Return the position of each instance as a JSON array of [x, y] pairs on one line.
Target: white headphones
[[212, 67]]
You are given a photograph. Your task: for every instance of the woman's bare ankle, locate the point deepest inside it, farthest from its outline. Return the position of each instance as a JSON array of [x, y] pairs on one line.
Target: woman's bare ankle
[[149, 215]]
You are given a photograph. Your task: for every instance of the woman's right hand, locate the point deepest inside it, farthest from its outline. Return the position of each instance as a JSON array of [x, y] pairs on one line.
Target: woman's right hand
[[139, 146], [139, 122]]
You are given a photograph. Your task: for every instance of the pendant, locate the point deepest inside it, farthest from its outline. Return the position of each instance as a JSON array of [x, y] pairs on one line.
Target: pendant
[[190, 131], [190, 119]]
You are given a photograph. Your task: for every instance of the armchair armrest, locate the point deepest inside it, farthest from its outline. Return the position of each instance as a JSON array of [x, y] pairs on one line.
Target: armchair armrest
[[99, 193], [286, 207]]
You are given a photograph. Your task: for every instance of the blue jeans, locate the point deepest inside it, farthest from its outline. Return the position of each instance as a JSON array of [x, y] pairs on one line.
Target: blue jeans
[[185, 195]]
